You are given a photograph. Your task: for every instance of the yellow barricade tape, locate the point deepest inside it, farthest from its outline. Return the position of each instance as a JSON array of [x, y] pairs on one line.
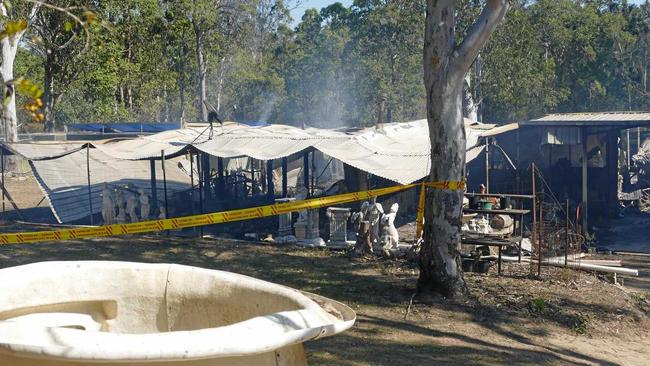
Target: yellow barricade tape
[[211, 218], [419, 228]]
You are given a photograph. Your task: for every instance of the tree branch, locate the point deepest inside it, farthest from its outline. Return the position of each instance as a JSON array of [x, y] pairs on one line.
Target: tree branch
[[477, 35], [33, 12]]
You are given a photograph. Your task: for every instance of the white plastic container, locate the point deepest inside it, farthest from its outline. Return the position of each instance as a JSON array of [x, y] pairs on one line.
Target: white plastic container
[[120, 313]]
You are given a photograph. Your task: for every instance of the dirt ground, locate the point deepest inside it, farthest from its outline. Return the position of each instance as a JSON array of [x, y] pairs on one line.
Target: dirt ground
[[28, 197], [569, 318], [566, 318], [629, 233]]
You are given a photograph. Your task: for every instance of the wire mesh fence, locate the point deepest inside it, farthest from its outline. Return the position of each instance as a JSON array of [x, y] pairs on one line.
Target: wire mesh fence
[[556, 238]]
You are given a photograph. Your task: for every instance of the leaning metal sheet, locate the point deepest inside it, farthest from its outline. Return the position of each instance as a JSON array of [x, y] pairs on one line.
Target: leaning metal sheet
[[64, 180]]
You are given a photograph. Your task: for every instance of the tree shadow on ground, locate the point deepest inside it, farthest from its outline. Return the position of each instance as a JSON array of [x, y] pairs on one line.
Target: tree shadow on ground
[[363, 285]]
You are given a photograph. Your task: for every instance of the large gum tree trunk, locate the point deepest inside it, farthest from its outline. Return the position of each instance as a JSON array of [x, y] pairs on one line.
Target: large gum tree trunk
[[10, 118], [445, 66]]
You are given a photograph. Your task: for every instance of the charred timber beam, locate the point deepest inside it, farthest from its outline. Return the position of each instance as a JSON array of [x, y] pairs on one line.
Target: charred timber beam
[[220, 178], [270, 190], [305, 172], [205, 167], [284, 178]]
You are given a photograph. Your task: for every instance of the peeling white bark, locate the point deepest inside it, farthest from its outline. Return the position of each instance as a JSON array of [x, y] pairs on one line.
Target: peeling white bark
[[445, 67], [9, 47]]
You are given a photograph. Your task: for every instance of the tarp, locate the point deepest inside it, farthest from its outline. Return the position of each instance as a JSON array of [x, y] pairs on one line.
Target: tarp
[[399, 151], [43, 150], [64, 181]]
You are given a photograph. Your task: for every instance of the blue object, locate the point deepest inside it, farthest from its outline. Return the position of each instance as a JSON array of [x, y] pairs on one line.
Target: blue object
[[125, 127]]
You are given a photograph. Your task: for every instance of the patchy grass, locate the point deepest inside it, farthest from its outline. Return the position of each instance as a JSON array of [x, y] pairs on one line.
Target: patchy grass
[[510, 319]]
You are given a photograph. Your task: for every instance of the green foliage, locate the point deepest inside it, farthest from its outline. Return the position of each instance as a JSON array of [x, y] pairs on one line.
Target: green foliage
[[537, 305], [579, 323], [13, 27], [339, 66]]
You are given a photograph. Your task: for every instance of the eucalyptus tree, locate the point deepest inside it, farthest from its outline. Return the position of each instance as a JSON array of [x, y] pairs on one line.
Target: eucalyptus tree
[[446, 62], [17, 16], [60, 34], [205, 17], [388, 37]]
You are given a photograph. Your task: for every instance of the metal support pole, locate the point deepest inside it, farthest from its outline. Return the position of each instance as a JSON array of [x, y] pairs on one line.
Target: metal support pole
[[585, 176], [566, 235], [270, 190], [629, 155], [284, 178], [312, 175], [487, 165], [541, 237], [192, 183], [162, 160], [499, 262], [199, 164], [220, 178], [305, 172], [205, 168], [521, 234], [90, 195], [2, 162], [154, 189], [534, 231], [518, 172]]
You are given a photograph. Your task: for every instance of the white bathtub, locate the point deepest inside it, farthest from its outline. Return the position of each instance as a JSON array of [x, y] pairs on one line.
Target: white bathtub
[[120, 313]]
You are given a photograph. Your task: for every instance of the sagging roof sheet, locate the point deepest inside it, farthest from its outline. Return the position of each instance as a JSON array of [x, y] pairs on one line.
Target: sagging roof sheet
[[64, 181], [43, 150], [397, 151]]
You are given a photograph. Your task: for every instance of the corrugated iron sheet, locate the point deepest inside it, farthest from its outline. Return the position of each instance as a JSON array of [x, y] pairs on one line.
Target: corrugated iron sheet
[[597, 118], [399, 151]]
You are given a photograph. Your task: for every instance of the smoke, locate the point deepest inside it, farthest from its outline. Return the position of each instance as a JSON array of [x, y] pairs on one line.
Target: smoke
[[328, 102], [268, 108]]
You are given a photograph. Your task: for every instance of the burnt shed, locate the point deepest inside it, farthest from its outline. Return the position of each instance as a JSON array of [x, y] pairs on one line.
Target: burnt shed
[[582, 157]]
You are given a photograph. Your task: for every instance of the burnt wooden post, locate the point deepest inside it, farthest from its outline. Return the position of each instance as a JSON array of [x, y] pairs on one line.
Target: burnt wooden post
[[284, 177], [270, 189], [205, 168], [220, 178]]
